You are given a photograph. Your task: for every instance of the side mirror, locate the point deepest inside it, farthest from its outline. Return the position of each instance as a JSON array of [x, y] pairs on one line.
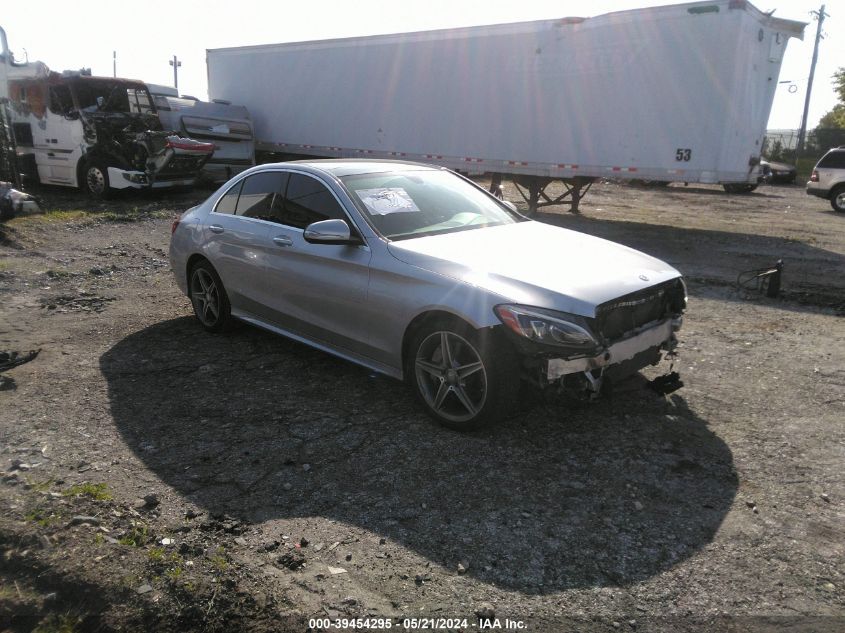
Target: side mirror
[[330, 232], [510, 205], [101, 102]]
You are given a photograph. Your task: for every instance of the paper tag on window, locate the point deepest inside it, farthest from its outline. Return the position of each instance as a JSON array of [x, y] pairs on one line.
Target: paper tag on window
[[385, 201]]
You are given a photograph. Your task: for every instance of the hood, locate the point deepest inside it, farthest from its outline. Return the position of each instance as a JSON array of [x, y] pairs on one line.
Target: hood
[[537, 264]]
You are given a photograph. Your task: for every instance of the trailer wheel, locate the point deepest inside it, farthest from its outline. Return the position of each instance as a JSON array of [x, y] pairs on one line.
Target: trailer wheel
[[96, 179]]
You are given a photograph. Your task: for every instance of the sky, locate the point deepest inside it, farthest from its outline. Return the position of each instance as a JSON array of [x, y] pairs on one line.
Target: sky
[[72, 36]]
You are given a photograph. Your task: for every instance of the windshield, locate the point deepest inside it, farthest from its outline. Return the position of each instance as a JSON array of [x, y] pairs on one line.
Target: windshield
[[116, 97], [408, 204]]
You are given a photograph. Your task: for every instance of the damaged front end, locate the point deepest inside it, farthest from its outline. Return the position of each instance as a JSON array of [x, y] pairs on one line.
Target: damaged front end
[[137, 154], [583, 356]]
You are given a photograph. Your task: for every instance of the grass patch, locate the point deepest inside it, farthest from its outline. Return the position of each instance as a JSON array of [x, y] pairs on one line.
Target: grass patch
[[134, 215], [98, 492], [42, 518], [52, 217]]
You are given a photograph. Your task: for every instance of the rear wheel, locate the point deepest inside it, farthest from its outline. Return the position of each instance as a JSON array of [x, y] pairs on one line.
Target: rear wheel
[[209, 298], [462, 381], [837, 199]]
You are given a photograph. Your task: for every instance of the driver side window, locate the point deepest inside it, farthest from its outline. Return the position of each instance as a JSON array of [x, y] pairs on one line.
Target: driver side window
[[308, 200]]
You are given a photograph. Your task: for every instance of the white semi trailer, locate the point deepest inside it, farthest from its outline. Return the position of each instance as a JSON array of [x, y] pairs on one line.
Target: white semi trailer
[[673, 93]]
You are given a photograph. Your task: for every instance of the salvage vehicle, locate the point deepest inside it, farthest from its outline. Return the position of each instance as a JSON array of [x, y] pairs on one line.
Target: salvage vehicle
[[777, 172], [224, 124], [672, 93], [98, 133], [416, 272], [828, 178]]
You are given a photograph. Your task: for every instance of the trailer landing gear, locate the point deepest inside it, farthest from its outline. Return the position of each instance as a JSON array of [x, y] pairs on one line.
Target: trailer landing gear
[[536, 196]]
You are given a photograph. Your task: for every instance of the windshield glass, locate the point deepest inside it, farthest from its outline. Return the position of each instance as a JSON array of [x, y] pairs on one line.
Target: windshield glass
[[408, 204], [115, 97]]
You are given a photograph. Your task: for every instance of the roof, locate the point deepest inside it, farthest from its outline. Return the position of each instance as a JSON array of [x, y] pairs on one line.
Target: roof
[[341, 167]]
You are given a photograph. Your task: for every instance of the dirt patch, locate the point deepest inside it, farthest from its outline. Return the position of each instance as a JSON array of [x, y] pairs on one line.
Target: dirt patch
[[157, 477]]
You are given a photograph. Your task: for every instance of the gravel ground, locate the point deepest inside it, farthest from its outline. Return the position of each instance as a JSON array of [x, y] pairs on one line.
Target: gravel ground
[[156, 477]]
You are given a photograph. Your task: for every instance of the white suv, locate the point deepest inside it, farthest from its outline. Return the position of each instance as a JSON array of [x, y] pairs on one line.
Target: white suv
[[828, 178]]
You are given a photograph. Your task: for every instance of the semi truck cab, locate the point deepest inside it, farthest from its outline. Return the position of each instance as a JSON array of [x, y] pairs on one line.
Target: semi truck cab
[[97, 133]]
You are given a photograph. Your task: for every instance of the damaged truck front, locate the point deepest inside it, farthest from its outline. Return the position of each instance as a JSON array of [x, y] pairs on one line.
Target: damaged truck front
[[98, 133]]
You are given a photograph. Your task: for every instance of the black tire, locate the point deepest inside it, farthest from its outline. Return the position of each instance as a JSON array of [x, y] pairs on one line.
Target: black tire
[[95, 180], [739, 187], [473, 385], [837, 199], [208, 298]]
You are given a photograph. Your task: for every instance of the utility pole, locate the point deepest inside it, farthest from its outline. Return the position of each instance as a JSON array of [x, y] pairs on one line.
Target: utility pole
[[820, 16], [114, 63], [176, 63]]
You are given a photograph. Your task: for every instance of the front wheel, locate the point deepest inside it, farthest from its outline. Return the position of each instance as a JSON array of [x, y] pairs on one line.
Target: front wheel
[[462, 381], [96, 180], [837, 199]]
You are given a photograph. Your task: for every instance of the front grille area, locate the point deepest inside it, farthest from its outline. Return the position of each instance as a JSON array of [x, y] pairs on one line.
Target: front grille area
[[188, 165], [618, 317]]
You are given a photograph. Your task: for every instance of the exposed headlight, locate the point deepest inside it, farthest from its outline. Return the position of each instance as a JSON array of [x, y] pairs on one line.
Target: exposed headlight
[[548, 327]]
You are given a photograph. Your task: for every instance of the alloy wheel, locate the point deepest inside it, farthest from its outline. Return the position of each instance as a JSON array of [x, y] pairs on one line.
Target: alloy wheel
[[205, 296], [451, 376]]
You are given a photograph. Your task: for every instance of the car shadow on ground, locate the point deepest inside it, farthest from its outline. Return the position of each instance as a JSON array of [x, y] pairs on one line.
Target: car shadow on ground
[[556, 497]]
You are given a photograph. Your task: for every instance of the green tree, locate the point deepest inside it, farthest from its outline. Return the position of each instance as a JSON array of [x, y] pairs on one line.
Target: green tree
[[836, 117]]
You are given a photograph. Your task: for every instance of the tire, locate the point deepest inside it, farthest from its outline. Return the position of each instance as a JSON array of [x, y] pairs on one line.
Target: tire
[[837, 199], [209, 299], [95, 180], [476, 388], [739, 187]]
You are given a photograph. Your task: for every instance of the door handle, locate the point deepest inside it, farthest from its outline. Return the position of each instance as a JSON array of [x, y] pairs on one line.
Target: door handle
[[215, 228], [282, 240]]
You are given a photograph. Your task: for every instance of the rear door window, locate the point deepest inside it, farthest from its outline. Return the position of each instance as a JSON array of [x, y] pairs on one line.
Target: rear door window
[[834, 160], [261, 196]]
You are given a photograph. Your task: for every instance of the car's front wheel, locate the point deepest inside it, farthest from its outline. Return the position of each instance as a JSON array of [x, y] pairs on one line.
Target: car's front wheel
[[209, 298], [837, 199], [462, 380]]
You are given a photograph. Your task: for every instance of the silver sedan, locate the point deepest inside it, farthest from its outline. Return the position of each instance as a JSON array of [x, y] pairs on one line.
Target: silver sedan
[[418, 273]]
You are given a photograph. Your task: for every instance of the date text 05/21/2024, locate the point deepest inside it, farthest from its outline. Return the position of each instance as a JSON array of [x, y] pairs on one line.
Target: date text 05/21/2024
[[416, 624]]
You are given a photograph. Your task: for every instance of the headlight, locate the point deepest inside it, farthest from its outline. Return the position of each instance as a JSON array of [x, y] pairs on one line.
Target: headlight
[[548, 327]]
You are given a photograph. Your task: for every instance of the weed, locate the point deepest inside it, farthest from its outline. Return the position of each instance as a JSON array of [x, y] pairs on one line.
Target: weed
[[174, 573], [58, 274], [99, 492], [138, 536], [42, 518], [219, 560], [98, 539], [54, 623], [40, 486], [156, 554]]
